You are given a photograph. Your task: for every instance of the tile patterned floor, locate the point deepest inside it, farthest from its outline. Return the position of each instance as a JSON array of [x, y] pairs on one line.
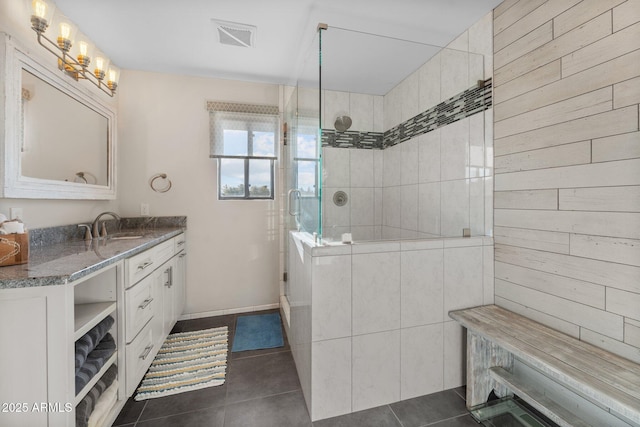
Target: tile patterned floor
[[262, 389]]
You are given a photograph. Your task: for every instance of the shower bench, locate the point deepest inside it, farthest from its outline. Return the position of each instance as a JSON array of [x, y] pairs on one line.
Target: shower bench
[[496, 338]]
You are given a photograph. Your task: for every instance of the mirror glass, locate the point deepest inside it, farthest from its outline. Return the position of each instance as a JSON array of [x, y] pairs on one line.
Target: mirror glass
[[62, 139]]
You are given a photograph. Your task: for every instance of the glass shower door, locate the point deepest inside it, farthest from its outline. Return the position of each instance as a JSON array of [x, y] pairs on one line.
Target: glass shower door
[[303, 168], [304, 149]]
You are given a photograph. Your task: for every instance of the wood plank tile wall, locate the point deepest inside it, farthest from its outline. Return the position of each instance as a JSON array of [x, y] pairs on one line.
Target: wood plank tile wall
[[567, 166]]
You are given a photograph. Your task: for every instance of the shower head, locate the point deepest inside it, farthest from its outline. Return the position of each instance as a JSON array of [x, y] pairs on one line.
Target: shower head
[[342, 123]]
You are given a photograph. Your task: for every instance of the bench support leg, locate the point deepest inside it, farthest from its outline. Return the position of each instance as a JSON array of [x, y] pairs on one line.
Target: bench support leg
[[483, 354]]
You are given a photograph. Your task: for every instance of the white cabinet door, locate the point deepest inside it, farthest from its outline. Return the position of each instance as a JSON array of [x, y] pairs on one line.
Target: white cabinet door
[[180, 284], [36, 356], [168, 296], [157, 323]]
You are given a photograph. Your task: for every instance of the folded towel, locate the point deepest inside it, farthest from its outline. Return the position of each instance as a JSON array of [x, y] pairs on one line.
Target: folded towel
[[86, 406], [90, 340], [95, 361], [104, 405]]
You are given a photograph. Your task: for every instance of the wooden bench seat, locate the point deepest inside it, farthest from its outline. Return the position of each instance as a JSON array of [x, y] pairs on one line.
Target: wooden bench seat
[[495, 336]]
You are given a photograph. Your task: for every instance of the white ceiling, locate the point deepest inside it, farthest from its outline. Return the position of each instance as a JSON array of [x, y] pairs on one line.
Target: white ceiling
[[179, 37]]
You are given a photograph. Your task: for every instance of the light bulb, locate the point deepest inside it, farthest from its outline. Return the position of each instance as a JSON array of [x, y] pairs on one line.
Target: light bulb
[[84, 47], [65, 30], [39, 8], [42, 12], [100, 63], [112, 75]]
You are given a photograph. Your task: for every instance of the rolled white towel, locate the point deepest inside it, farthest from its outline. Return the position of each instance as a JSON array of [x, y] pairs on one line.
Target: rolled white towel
[[104, 405], [13, 226]]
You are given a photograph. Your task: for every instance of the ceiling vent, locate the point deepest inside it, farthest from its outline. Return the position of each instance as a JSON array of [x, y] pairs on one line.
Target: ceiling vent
[[234, 34]]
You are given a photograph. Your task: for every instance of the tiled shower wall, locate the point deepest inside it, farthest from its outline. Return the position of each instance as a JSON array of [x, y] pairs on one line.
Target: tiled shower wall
[[432, 185], [567, 164], [357, 172]]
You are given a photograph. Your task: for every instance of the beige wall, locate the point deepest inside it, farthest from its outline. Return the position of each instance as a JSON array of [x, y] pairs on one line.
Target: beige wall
[[233, 245], [567, 167]]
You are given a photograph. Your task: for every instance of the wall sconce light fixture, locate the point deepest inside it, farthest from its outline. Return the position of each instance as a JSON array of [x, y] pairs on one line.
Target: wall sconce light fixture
[[77, 63]]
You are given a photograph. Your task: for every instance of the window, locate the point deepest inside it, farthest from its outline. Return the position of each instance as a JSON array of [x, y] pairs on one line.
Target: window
[[244, 142], [306, 162]]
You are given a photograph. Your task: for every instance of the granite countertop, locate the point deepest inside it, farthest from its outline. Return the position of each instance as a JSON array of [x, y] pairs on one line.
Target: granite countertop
[[64, 262]]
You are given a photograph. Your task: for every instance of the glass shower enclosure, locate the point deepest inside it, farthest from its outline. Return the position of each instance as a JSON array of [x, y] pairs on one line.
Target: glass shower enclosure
[[384, 140]]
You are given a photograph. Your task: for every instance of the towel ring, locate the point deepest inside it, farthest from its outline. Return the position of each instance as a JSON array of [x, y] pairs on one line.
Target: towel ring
[[154, 187]]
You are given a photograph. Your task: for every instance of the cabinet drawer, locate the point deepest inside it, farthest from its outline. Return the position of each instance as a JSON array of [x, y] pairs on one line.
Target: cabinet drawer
[[139, 307], [180, 242], [140, 266], [139, 355]]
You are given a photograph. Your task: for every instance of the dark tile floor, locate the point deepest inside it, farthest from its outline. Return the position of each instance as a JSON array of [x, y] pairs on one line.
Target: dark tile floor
[[262, 389]]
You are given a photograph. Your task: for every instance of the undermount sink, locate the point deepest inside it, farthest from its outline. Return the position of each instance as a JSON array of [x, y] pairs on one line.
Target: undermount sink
[[125, 236]]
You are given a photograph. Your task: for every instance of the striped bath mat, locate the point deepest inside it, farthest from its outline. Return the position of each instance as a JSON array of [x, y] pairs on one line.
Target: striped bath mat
[[186, 361]]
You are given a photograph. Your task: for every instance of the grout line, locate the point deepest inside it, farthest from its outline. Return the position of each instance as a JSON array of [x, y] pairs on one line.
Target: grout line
[[262, 397], [445, 419], [395, 415]]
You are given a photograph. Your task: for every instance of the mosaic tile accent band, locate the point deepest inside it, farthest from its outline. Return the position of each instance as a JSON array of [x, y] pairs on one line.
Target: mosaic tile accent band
[[352, 139], [472, 101]]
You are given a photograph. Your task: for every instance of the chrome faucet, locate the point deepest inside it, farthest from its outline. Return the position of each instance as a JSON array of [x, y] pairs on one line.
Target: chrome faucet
[[97, 233]]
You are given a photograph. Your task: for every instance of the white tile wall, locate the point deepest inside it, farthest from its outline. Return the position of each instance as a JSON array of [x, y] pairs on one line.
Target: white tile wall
[[335, 104], [463, 272], [376, 292], [409, 165], [392, 164], [455, 76], [361, 167], [391, 207], [454, 207], [454, 154], [376, 369], [458, 151], [410, 96], [336, 171], [361, 111], [429, 208], [430, 83], [422, 360], [455, 339], [429, 156], [362, 206], [421, 290], [409, 207], [331, 373], [331, 314]]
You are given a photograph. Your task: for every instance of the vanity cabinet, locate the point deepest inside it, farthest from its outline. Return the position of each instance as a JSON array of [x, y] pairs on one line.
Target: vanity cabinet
[[38, 330], [39, 326], [154, 299]]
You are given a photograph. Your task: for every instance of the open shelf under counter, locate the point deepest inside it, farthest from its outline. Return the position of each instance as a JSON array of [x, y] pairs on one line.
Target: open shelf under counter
[[86, 316], [96, 378]]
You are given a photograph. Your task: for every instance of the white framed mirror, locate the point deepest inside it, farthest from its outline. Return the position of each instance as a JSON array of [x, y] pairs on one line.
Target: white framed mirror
[[58, 141]]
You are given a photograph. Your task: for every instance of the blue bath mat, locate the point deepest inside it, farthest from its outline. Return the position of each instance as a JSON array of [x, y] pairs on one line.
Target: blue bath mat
[[258, 331]]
